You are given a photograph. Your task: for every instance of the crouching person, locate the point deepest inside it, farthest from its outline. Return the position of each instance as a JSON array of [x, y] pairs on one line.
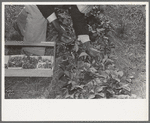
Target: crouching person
[[32, 26]]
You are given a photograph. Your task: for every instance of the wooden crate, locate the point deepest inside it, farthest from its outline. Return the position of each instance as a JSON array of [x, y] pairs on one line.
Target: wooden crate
[[17, 72]]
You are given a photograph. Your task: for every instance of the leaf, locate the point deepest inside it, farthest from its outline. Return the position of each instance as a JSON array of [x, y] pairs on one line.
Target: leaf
[[104, 74], [113, 57], [81, 96], [117, 79], [76, 47], [94, 50], [111, 91], [102, 22], [101, 94], [100, 30], [91, 96], [80, 86], [69, 96], [114, 75], [67, 73], [58, 97], [88, 77], [98, 81], [92, 91], [120, 73], [129, 80], [108, 71], [121, 96], [72, 76], [90, 84], [93, 70], [76, 95], [110, 60], [60, 74], [80, 64], [99, 89], [111, 67], [105, 37], [108, 22], [131, 77], [90, 28], [105, 58], [72, 82], [126, 88], [72, 55], [93, 31], [87, 65], [75, 85], [84, 91], [94, 83], [124, 85], [93, 61], [64, 15], [105, 80], [83, 54]]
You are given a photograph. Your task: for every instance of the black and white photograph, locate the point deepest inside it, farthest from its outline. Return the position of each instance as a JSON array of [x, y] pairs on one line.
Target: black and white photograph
[[69, 51]]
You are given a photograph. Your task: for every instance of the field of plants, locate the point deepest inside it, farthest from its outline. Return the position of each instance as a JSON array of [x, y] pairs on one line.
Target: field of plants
[[118, 72]]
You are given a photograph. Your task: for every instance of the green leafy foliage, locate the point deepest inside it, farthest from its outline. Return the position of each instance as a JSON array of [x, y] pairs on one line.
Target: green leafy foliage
[[91, 78]]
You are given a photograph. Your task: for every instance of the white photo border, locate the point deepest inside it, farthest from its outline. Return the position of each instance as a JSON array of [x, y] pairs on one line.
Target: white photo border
[[76, 110]]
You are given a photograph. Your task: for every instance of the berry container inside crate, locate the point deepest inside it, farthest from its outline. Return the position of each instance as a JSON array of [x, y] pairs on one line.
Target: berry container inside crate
[[45, 62], [15, 61], [32, 66]]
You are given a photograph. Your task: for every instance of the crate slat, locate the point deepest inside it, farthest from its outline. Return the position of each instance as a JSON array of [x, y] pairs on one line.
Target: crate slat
[[22, 43], [6, 59], [28, 73]]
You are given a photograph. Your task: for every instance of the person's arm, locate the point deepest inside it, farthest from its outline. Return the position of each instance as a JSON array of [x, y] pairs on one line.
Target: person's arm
[[49, 13]]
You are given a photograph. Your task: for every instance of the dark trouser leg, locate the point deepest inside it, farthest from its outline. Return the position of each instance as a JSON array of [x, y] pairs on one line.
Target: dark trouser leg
[[79, 22], [81, 29]]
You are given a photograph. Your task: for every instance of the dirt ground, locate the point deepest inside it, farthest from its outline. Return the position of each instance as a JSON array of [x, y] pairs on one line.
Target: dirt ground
[[26, 88]]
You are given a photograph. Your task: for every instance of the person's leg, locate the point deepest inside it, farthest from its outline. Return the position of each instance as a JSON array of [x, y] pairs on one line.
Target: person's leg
[[81, 28], [33, 27], [79, 23]]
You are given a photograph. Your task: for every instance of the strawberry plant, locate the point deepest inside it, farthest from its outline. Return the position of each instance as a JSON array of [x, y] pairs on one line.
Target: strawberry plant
[[91, 77]]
